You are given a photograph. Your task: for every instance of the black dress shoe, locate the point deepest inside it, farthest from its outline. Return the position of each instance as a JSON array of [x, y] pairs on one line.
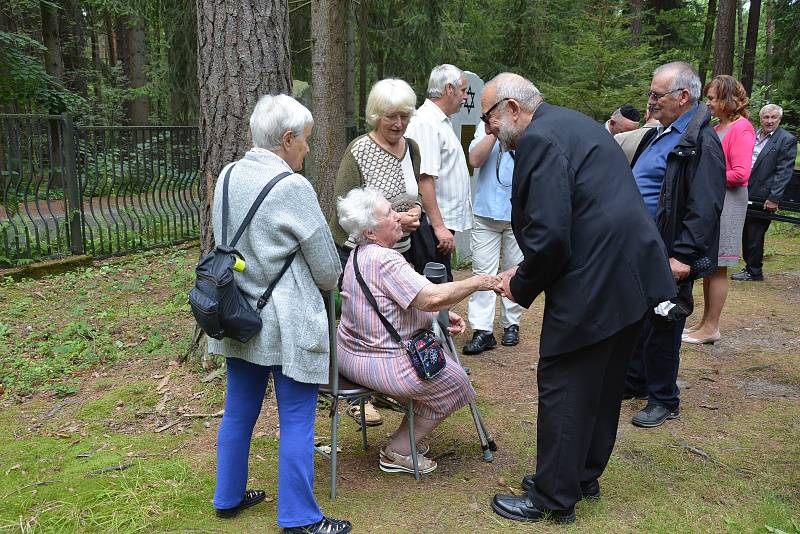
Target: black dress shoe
[[746, 276], [251, 498], [522, 509], [654, 415], [589, 490], [327, 525], [481, 341], [511, 336]]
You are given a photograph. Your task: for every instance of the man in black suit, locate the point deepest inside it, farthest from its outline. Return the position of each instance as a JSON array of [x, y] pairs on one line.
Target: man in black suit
[[773, 162], [589, 244]]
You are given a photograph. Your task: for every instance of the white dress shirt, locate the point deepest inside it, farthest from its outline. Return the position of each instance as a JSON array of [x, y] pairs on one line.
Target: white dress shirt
[[442, 156]]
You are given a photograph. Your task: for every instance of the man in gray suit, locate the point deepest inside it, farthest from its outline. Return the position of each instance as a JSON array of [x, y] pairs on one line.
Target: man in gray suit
[[773, 162]]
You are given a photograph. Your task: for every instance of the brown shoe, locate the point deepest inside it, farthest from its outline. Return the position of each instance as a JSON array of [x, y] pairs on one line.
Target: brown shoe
[[371, 415], [392, 462]]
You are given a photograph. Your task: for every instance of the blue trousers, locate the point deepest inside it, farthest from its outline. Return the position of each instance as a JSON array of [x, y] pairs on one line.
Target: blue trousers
[[297, 411]]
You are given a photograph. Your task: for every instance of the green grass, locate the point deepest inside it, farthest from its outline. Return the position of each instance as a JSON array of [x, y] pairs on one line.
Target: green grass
[[82, 356]]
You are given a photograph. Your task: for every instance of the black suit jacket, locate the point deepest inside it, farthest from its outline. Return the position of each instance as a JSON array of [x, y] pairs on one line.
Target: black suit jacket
[[773, 167], [587, 239]]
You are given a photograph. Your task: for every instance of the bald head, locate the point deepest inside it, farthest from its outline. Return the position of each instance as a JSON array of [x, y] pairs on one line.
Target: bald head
[[508, 102], [510, 85]]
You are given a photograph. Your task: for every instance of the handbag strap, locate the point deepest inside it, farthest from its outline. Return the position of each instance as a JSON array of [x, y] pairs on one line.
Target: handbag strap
[[253, 208], [371, 299], [262, 301]]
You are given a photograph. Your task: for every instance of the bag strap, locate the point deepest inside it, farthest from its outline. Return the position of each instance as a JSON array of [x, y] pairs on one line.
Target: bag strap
[[249, 217], [262, 301], [371, 299]]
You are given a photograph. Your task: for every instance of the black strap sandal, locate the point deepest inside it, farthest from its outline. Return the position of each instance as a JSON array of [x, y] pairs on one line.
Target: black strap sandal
[[251, 498], [327, 525]]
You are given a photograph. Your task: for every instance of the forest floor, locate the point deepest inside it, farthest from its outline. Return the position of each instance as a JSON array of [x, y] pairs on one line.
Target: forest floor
[[102, 431]]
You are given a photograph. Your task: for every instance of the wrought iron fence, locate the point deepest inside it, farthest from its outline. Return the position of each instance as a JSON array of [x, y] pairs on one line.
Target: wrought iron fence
[[98, 190]]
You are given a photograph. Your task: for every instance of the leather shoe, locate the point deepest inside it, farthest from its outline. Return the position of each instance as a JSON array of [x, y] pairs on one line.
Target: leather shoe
[[511, 336], [327, 525], [522, 509], [250, 498], [589, 490], [654, 415], [481, 341], [746, 276]]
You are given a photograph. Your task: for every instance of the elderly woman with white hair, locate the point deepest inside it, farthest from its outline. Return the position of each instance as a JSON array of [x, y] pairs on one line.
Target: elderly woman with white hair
[[389, 162], [367, 353], [293, 344]]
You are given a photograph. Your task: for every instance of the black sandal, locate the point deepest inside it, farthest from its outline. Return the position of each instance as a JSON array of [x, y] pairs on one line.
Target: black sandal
[[251, 498], [327, 525]]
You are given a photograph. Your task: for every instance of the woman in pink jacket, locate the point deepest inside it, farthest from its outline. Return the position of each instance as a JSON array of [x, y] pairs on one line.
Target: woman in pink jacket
[[727, 100]]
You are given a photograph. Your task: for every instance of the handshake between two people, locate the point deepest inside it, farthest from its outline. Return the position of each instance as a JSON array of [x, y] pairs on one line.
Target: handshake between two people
[[500, 283]]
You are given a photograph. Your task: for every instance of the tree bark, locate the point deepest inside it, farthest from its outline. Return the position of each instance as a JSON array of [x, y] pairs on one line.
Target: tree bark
[[73, 42], [749, 63], [53, 63], [111, 40], [636, 21], [140, 105], [740, 34], [243, 53], [350, 96], [769, 45], [363, 43], [708, 36], [328, 93], [723, 51]]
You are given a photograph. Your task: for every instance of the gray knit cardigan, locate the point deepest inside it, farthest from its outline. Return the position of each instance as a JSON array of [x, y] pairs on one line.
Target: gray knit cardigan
[[295, 331]]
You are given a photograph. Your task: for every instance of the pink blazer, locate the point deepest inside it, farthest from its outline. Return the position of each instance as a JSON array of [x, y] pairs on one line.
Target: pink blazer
[[738, 147]]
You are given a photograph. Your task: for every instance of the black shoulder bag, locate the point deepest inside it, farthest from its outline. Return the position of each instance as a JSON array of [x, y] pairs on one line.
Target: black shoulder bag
[[423, 349], [217, 303]]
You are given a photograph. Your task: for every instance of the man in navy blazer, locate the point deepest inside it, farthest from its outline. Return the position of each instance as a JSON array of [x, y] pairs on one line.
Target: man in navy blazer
[[773, 163], [590, 245]]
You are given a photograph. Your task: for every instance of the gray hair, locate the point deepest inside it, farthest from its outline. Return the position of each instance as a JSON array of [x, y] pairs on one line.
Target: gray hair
[[441, 77], [685, 78], [772, 107], [275, 115], [356, 212], [510, 85], [389, 94]]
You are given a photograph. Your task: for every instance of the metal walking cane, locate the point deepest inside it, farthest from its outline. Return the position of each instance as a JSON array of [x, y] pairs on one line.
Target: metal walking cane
[[436, 273]]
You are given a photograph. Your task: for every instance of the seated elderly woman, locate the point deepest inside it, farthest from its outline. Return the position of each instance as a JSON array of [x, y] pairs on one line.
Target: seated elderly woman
[[367, 353]]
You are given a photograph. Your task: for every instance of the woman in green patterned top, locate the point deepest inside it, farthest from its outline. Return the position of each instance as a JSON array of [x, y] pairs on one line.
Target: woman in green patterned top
[[384, 160]]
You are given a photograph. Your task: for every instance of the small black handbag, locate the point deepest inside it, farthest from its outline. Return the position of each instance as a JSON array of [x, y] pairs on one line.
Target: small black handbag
[[423, 349]]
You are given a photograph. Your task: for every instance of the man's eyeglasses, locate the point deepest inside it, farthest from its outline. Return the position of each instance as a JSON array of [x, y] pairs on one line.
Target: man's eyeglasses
[[486, 116], [659, 96]]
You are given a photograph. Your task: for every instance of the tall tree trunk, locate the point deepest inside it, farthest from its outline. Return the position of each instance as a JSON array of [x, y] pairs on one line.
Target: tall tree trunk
[[636, 21], [111, 40], [769, 45], [723, 51], [328, 92], [243, 53], [740, 34], [749, 63], [98, 68], [73, 41], [350, 96], [708, 36], [363, 43], [53, 63], [140, 106], [124, 57]]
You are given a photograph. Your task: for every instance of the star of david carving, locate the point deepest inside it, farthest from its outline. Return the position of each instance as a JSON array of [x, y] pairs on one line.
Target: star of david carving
[[471, 102]]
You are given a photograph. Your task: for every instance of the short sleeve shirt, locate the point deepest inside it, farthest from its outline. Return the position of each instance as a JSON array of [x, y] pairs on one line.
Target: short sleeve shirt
[[442, 156], [394, 284]]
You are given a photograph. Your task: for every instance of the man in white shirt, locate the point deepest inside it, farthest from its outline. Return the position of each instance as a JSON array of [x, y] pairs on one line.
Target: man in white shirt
[[444, 178]]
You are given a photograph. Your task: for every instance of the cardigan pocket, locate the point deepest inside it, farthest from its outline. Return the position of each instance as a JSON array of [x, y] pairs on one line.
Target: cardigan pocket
[[313, 335]]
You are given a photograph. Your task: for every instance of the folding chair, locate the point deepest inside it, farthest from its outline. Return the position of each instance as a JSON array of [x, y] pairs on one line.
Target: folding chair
[[340, 388]]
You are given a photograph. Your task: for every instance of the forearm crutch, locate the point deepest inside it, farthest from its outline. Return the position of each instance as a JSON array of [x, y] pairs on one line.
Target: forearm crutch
[[436, 273]]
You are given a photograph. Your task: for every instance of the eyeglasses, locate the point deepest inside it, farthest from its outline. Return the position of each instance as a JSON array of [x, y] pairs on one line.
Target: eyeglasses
[[659, 96], [486, 116]]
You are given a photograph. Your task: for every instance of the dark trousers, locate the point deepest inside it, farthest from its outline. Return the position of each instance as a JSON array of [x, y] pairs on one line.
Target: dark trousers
[[654, 367], [580, 394], [753, 244], [423, 249]]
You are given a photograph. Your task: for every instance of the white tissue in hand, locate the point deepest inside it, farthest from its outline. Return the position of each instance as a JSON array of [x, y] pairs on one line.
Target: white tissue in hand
[[664, 308]]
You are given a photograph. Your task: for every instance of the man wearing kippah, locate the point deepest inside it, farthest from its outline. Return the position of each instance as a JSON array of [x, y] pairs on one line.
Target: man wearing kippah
[[624, 119]]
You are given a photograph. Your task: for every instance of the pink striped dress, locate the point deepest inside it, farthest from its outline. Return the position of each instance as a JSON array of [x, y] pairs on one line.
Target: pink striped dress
[[367, 353]]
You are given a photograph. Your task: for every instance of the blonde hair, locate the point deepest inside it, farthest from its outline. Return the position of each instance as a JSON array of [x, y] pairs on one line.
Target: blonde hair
[[387, 95]]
